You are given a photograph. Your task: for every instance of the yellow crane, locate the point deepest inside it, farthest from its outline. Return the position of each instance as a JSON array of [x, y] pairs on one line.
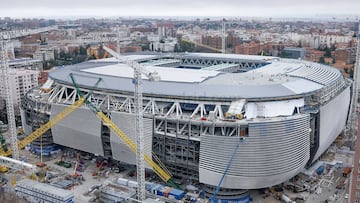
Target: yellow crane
[[42, 129], [158, 167]]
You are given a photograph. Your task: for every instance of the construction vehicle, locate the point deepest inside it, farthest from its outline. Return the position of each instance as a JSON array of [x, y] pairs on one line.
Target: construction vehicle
[[346, 171], [75, 174], [63, 163]]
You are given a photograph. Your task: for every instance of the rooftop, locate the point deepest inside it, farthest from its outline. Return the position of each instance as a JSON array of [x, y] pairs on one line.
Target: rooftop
[[279, 78], [45, 188]]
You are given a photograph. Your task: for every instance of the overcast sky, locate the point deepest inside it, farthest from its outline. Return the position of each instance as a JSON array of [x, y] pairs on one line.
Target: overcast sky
[[236, 8]]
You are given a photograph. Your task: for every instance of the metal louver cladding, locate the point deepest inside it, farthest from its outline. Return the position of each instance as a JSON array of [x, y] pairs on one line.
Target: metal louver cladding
[[272, 153]]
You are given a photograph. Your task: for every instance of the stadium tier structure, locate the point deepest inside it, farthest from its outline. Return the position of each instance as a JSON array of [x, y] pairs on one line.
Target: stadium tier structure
[[287, 112]]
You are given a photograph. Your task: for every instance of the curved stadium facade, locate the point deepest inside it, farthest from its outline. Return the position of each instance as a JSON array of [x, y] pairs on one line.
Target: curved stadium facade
[[288, 111]]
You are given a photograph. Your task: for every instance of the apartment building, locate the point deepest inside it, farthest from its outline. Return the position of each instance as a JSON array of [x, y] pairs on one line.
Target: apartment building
[[44, 54], [21, 81]]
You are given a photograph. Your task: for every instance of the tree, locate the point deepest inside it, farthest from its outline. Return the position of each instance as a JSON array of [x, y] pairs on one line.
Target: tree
[[186, 46], [322, 60], [299, 44], [327, 52], [82, 50], [351, 72], [333, 47]]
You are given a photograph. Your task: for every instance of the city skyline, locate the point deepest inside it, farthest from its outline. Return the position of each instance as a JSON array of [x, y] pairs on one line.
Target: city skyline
[[185, 8]]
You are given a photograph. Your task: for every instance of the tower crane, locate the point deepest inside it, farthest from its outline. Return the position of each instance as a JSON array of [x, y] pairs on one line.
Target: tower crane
[[223, 37], [9, 99], [159, 168], [352, 124], [4, 37], [138, 102]]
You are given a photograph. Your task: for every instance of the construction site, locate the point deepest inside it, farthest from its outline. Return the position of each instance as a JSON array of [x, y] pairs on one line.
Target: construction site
[[190, 127]]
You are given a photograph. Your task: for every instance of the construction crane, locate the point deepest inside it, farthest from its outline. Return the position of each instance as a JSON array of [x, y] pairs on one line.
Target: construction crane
[[9, 99], [138, 103], [38, 133], [42, 129], [45, 127], [223, 37], [159, 168], [4, 37], [139, 148], [352, 125]]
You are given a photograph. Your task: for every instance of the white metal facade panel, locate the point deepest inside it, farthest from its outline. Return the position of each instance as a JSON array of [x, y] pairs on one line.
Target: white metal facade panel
[[80, 130], [126, 123], [274, 151], [333, 120], [272, 109]]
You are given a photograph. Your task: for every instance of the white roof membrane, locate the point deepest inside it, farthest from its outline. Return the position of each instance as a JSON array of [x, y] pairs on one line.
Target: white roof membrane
[[166, 74]]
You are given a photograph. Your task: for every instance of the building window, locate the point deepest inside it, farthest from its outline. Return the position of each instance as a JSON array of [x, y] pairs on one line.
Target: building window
[[358, 177], [357, 194]]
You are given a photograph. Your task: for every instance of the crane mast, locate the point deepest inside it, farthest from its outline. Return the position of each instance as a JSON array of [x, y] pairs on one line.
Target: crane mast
[[138, 102], [223, 37], [9, 100], [118, 41], [352, 125], [4, 36]]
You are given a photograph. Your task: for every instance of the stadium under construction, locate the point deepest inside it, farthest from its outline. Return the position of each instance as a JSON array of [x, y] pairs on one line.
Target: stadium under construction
[[253, 121]]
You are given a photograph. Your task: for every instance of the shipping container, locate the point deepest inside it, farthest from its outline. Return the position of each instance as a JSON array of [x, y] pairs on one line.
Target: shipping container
[[178, 194]]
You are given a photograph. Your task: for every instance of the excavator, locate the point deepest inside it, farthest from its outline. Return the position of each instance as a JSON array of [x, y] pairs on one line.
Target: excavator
[[159, 168]]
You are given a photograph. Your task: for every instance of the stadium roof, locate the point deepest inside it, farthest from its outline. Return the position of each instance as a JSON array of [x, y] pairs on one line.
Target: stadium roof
[[280, 78]]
